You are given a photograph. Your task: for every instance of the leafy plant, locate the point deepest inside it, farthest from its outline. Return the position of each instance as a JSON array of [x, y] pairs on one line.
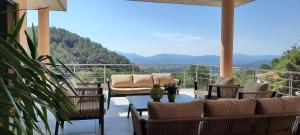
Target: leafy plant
[[30, 86], [171, 88]]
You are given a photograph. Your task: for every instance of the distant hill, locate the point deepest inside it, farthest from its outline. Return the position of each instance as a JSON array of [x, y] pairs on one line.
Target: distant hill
[[239, 59], [71, 48]]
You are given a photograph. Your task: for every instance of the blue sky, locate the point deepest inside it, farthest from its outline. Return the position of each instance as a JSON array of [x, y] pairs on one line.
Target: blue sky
[[261, 27]]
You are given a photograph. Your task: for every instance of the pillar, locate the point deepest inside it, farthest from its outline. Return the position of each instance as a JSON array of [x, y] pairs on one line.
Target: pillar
[[226, 56], [22, 4], [43, 32]]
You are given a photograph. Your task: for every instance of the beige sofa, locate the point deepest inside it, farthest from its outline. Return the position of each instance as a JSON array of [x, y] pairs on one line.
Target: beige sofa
[[262, 116], [135, 84]]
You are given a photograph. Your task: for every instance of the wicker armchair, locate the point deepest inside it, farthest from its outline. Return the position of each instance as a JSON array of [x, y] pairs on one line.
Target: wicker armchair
[[89, 105], [285, 124]]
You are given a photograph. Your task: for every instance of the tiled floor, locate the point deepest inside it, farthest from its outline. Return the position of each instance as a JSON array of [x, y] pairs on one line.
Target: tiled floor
[[116, 121]]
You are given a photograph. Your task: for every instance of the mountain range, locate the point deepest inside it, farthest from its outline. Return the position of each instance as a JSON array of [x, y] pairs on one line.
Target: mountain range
[[239, 59]]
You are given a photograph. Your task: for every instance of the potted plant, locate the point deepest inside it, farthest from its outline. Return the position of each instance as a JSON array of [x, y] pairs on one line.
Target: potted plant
[[31, 86], [171, 88], [156, 93]]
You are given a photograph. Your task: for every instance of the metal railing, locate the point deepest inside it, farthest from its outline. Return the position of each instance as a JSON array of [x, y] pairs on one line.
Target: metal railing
[[285, 82]]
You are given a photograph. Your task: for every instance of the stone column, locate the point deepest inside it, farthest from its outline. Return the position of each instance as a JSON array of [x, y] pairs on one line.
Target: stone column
[[43, 32], [226, 56], [22, 4]]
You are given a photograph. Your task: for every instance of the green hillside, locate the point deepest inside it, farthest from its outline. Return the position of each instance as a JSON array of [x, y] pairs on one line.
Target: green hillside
[[70, 48]]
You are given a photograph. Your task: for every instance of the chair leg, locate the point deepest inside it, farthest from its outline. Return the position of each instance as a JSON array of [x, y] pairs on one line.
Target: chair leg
[[128, 111], [56, 127], [101, 121], [62, 124]]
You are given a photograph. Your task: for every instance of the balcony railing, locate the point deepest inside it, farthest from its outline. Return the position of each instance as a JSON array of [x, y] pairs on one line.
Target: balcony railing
[[285, 82]]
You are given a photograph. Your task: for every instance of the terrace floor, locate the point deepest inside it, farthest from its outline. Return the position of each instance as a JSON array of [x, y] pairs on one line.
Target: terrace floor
[[116, 121]]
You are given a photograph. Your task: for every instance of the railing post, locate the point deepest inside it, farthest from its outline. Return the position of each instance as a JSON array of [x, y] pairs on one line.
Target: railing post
[[104, 74], [184, 81], [74, 69], [196, 72], [254, 75], [291, 84], [132, 69]]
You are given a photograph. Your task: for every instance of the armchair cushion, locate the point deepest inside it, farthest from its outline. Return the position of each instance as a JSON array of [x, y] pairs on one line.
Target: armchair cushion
[[229, 107], [251, 86], [159, 111], [122, 81], [162, 78], [269, 106], [142, 81]]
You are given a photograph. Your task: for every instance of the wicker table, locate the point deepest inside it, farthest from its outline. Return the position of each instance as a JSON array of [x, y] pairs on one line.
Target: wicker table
[[140, 102]]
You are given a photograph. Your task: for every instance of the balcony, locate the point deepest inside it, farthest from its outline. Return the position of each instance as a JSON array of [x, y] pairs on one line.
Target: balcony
[[116, 121]]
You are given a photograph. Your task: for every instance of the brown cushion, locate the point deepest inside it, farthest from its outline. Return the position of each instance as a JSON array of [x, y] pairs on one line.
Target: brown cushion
[[256, 87], [162, 78], [223, 81], [226, 92], [229, 107], [270, 106], [142, 81], [159, 110], [130, 90], [121, 81], [251, 86]]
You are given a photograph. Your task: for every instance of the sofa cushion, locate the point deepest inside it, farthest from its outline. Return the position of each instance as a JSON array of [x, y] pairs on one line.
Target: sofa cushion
[[130, 90], [251, 86], [162, 78], [142, 81], [223, 81], [229, 107], [159, 110], [121, 81], [269, 106]]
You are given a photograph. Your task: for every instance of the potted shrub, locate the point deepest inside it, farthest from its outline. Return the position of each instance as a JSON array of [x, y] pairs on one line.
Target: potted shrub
[[171, 88]]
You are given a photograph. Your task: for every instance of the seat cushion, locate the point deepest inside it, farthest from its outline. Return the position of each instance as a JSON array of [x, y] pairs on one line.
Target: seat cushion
[[268, 106], [229, 107], [162, 78], [122, 81], [130, 90], [87, 109], [142, 81], [159, 110]]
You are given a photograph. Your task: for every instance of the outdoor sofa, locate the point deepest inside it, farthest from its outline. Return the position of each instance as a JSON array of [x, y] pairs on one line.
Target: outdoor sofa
[[137, 84], [262, 116]]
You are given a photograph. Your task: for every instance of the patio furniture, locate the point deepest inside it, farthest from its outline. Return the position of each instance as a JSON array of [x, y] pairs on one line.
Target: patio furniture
[[137, 84], [222, 88], [221, 117], [256, 90], [140, 102], [89, 104]]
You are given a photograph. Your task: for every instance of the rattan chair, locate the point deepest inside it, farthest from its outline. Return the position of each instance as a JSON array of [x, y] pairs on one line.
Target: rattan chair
[[89, 105], [285, 124]]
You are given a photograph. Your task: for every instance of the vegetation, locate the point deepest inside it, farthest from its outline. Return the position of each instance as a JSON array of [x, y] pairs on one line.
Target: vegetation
[[31, 85], [289, 61], [70, 48]]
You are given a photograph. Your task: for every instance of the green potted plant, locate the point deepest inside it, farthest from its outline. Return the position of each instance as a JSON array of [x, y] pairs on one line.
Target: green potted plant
[[156, 93], [171, 88]]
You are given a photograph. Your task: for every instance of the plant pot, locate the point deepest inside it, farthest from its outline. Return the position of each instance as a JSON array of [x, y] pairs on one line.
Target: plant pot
[[156, 93], [171, 97]]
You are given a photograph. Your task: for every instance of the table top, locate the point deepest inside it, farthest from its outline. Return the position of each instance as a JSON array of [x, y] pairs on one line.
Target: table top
[[140, 102]]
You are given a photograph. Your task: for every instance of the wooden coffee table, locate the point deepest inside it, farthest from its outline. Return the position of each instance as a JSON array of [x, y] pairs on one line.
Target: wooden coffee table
[[140, 102]]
